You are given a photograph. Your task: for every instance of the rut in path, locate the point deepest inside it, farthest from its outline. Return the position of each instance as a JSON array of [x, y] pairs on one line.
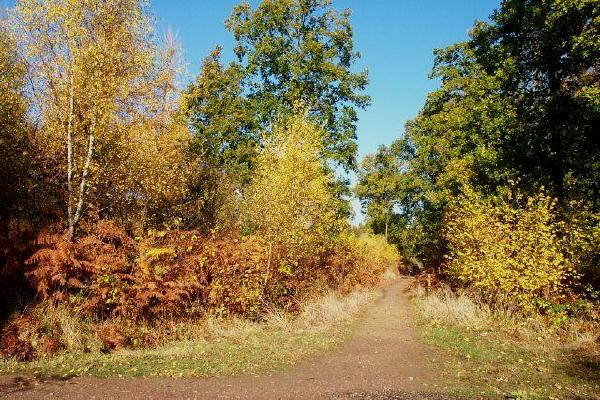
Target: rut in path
[[382, 359]]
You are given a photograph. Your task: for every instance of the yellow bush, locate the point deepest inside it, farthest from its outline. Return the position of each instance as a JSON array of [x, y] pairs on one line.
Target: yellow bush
[[580, 233], [289, 202], [372, 256], [500, 249]]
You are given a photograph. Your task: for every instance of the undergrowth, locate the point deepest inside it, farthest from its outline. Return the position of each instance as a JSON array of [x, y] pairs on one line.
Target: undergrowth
[[123, 288], [206, 347], [493, 350]]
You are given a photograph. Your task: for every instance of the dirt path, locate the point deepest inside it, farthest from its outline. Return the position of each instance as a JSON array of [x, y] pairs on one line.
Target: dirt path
[[382, 360]]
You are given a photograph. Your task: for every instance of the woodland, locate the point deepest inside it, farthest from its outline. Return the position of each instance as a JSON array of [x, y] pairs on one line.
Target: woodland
[[129, 199]]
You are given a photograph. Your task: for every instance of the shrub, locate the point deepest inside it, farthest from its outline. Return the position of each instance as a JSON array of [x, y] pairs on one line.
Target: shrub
[[84, 273], [182, 274], [167, 273], [580, 238], [500, 249], [372, 256], [47, 329], [290, 201]]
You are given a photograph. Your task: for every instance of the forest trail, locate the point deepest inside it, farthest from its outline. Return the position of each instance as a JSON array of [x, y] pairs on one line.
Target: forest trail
[[383, 359]]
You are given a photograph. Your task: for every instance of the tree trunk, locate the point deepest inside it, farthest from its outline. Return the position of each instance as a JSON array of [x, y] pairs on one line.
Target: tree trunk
[[387, 222], [70, 159], [84, 175], [74, 216]]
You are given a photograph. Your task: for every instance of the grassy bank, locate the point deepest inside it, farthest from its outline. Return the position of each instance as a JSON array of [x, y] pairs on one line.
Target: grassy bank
[[495, 353], [217, 347]]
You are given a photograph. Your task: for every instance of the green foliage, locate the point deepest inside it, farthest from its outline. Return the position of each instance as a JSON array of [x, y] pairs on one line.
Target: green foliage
[[378, 186], [288, 52], [500, 249], [225, 134], [294, 51], [515, 103], [544, 55]]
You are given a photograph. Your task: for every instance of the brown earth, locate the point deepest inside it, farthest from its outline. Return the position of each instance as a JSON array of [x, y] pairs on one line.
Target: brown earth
[[383, 360]]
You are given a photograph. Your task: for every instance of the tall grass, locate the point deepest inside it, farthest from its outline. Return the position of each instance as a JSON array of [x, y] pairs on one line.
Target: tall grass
[[470, 310]]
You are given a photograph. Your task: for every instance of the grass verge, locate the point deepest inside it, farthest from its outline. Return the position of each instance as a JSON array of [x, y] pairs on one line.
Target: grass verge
[[494, 354], [217, 348]]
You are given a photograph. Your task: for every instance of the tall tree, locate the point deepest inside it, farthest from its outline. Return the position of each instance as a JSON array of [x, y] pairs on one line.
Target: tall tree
[[546, 55], [302, 51], [517, 102], [223, 123], [101, 93], [14, 130]]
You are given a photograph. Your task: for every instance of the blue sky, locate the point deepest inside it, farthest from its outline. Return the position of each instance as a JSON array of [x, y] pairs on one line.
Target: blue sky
[[395, 37]]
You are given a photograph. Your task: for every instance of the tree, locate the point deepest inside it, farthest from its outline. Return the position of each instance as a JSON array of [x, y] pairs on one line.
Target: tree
[[302, 51], [225, 132], [101, 94], [289, 201], [378, 186], [545, 54], [14, 130], [516, 103]]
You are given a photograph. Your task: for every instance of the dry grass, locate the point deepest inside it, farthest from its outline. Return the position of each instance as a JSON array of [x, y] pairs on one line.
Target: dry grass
[[494, 351], [71, 333], [332, 310], [458, 309], [206, 347], [469, 310]]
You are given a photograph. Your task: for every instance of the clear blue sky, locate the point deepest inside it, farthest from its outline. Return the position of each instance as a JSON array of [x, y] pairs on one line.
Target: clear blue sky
[[395, 37]]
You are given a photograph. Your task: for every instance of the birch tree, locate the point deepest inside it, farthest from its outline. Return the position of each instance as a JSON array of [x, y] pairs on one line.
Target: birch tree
[[99, 89], [289, 201]]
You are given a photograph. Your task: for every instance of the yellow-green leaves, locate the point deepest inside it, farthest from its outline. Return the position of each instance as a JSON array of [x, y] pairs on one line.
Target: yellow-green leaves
[[289, 201], [105, 93], [500, 249]]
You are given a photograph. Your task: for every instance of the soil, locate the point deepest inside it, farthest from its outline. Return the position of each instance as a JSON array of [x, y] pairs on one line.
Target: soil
[[383, 359]]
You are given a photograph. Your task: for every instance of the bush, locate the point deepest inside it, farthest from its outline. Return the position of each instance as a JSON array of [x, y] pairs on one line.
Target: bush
[[181, 274], [167, 273], [45, 330], [372, 256], [290, 201], [580, 236], [500, 249]]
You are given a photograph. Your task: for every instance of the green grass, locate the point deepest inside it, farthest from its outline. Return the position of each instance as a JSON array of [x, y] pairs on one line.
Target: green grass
[[488, 362], [256, 349]]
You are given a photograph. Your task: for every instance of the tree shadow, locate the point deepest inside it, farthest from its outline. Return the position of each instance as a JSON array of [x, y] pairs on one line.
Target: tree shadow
[[23, 383], [583, 364]]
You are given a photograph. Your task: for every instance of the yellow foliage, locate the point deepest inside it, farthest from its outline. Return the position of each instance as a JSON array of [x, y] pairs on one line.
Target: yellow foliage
[[289, 202], [375, 249], [103, 85], [500, 249], [372, 256]]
